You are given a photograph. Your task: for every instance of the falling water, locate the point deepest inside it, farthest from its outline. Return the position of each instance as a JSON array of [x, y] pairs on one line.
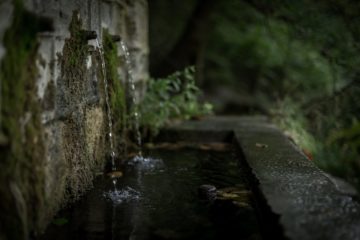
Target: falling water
[[135, 114], [107, 100], [0, 107], [140, 163]]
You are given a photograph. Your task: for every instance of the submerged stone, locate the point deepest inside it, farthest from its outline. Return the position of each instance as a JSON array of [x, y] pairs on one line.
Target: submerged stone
[[207, 191]]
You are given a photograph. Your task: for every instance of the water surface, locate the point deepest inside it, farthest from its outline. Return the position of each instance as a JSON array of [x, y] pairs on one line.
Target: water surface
[[157, 198]]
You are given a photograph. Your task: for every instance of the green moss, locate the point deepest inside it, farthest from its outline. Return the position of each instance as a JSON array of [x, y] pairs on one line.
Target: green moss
[[73, 60], [116, 93], [73, 82], [22, 179]]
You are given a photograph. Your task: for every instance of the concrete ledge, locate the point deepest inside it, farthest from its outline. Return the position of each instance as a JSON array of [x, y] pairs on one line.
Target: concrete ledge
[[307, 201]]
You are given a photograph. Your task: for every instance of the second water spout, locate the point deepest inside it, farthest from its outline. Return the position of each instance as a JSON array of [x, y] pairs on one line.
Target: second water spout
[[107, 100], [135, 114]]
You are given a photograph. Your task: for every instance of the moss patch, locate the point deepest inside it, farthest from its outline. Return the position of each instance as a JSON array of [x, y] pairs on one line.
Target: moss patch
[[73, 81], [73, 61], [22, 160]]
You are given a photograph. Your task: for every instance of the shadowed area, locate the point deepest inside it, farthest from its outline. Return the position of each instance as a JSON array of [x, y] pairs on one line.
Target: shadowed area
[[159, 199]]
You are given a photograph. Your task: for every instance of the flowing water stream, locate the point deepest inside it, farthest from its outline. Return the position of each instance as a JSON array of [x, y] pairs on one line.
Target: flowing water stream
[[130, 80], [108, 108], [120, 195], [0, 106]]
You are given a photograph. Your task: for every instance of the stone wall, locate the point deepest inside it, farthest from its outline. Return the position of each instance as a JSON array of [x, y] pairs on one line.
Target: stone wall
[[53, 140]]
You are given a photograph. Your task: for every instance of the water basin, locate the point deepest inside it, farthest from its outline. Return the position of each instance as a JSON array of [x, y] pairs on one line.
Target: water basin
[[158, 198]]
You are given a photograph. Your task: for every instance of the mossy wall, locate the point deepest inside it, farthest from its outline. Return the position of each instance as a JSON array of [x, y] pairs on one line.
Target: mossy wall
[[22, 168], [53, 124]]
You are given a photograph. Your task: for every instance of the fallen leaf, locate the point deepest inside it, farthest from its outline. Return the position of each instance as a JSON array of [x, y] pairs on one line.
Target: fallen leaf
[[115, 174], [261, 145], [308, 154]]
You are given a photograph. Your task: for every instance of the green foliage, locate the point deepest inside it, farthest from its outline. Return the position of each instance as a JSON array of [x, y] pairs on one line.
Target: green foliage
[[301, 59], [172, 98], [349, 137], [264, 53], [286, 116], [340, 153]]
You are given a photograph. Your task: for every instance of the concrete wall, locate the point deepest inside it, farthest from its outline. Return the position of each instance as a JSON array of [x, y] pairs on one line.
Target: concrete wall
[[69, 92]]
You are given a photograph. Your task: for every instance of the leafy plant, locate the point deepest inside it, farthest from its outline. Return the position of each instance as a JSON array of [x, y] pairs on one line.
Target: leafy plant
[[175, 97]]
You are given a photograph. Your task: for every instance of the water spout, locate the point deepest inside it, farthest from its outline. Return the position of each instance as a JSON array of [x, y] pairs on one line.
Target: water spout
[[89, 35], [108, 108]]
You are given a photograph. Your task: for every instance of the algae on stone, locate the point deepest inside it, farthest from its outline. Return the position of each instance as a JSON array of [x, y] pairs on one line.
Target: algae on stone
[[22, 160], [79, 175]]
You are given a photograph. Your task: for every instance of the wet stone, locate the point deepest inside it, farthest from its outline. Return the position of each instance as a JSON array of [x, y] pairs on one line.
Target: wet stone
[[207, 192]]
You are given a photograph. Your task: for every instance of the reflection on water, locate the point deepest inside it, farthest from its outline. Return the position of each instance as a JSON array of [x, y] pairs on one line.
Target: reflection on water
[[146, 164], [157, 198]]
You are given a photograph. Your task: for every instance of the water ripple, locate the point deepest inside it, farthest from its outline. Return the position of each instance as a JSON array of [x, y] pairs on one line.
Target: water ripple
[[127, 194], [146, 163]]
